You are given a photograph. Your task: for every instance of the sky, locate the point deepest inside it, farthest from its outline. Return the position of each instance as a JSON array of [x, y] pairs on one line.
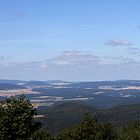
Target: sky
[[72, 40]]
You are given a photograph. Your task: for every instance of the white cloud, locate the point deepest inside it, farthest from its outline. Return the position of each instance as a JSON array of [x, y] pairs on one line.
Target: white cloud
[[119, 42], [69, 58], [72, 65]]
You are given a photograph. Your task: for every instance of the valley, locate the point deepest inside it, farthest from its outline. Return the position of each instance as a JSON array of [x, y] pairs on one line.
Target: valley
[[101, 94]]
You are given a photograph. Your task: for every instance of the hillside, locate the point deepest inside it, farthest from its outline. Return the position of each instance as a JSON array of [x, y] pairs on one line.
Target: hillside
[[68, 114], [64, 115]]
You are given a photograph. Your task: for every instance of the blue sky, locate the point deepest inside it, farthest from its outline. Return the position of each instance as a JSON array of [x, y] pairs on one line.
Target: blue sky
[[78, 40]]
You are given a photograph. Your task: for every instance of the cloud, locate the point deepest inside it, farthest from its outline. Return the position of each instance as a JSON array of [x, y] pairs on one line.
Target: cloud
[[23, 66], [76, 55], [72, 65], [66, 59], [133, 51], [118, 42], [115, 60], [69, 58]]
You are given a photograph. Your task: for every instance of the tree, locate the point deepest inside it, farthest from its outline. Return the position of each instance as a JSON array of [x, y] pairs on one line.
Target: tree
[[17, 119], [89, 129], [41, 135], [131, 132]]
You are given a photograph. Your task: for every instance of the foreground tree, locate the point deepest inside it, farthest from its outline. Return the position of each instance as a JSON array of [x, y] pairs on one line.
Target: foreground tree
[[41, 135], [89, 129], [17, 119], [131, 132]]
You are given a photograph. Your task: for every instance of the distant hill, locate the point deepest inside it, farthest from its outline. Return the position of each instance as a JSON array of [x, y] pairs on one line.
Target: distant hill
[[35, 84], [15, 82], [55, 81], [4, 86], [95, 84], [118, 83]]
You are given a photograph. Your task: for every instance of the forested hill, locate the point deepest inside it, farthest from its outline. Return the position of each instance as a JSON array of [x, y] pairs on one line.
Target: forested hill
[[68, 114]]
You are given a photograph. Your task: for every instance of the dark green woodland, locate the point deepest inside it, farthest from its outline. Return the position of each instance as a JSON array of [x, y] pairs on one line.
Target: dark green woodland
[[18, 122]]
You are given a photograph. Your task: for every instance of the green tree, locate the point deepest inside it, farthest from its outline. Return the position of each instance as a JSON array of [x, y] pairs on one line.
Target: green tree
[[89, 129], [41, 135], [131, 132], [17, 119]]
